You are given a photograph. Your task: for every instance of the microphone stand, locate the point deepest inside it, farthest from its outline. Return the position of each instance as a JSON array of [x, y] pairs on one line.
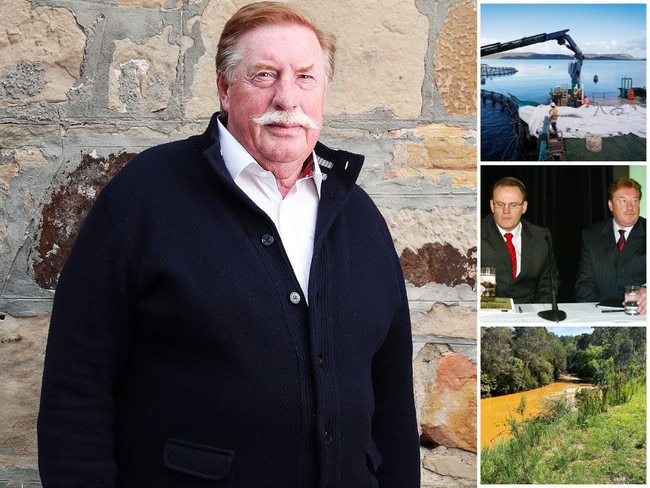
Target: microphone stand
[[554, 314]]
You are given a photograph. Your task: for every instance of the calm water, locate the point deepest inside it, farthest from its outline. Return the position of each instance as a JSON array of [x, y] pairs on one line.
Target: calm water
[[534, 79], [495, 410]]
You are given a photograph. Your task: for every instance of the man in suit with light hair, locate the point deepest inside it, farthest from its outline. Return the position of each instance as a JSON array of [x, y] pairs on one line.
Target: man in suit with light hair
[[613, 253]]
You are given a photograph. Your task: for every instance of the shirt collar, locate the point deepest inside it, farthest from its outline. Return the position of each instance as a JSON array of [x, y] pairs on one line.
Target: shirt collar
[[618, 227], [238, 159], [515, 232]]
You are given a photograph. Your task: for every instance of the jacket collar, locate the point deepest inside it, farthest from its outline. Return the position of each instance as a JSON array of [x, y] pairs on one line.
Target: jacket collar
[[340, 168]]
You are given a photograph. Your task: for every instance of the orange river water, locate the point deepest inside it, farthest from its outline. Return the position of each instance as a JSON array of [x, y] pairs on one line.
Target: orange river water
[[495, 410]]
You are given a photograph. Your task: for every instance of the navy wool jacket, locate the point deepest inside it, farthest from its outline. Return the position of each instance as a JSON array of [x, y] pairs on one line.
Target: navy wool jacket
[[182, 352]]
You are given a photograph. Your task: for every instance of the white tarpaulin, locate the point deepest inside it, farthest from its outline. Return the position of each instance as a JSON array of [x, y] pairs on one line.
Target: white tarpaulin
[[606, 121]]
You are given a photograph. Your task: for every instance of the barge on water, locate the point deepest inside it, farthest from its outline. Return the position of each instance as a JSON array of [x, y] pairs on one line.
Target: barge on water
[[606, 129], [611, 129]]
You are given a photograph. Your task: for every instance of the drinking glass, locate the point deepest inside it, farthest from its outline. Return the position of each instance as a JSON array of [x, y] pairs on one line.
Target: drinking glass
[[489, 281], [630, 302]]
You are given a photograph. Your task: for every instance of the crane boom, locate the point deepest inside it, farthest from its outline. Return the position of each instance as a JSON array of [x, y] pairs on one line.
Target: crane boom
[[561, 37]]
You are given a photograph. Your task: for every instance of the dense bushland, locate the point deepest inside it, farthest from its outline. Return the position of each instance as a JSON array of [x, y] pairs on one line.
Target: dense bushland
[[596, 437], [523, 358]]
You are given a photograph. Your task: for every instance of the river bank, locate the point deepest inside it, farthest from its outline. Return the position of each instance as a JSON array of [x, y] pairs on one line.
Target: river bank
[[606, 448], [494, 411]]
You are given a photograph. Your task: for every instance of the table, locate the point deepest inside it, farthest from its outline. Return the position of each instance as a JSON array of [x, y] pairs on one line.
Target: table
[[586, 314]]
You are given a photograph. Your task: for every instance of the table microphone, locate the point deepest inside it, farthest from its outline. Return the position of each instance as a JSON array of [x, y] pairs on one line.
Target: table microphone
[[554, 314]]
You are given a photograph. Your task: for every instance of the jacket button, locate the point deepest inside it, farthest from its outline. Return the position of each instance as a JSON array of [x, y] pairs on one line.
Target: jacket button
[[327, 434], [294, 297], [321, 360], [267, 239]]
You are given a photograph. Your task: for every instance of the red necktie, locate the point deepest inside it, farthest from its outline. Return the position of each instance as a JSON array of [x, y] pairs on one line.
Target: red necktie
[[621, 240], [513, 254]]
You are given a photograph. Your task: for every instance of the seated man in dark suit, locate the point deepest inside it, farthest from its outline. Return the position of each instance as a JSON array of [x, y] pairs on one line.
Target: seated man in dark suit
[[517, 249], [613, 252]]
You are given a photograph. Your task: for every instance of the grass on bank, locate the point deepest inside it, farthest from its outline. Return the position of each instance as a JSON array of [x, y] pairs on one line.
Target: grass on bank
[[565, 445]]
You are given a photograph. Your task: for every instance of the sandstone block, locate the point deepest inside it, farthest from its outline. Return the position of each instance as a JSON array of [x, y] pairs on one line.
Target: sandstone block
[[454, 68], [446, 321], [449, 416], [450, 466], [22, 346], [142, 76], [166, 4], [437, 152], [417, 228], [41, 53]]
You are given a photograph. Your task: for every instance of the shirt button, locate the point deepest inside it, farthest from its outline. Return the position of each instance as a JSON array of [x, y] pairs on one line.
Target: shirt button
[[321, 360], [267, 239], [294, 297]]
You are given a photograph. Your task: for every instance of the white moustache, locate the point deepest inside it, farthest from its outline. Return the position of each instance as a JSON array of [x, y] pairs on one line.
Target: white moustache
[[287, 118]]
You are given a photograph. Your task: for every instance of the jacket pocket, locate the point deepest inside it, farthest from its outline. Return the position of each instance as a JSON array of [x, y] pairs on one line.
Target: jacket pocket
[[374, 459], [205, 462], [373, 456]]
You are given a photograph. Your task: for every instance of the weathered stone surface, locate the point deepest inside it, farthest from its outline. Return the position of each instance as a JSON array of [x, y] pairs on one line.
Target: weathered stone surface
[[450, 466], [22, 345], [444, 320], [450, 412], [141, 76], [24, 80], [166, 4], [12, 160], [205, 99], [63, 215], [436, 149], [438, 263], [380, 56], [7, 173], [455, 60], [41, 52], [415, 229]]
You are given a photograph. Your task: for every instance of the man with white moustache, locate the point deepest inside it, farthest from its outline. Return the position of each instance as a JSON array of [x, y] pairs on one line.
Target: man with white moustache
[[233, 313]]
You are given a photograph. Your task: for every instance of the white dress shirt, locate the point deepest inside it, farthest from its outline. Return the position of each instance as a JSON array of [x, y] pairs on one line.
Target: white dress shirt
[[294, 216]]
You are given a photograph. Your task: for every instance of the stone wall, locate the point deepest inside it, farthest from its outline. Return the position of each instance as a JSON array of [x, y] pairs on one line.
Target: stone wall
[[85, 84]]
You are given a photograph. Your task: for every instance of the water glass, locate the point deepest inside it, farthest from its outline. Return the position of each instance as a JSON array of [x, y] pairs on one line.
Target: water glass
[[489, 281], [630, 302]]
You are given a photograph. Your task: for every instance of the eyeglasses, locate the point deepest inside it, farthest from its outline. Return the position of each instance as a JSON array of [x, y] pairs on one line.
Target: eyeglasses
[[511, 205]]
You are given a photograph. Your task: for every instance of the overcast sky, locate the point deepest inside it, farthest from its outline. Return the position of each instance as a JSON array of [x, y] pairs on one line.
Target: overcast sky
[[596, 28]]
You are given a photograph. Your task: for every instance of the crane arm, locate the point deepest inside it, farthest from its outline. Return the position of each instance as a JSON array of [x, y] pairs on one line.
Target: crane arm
[[561, 37]]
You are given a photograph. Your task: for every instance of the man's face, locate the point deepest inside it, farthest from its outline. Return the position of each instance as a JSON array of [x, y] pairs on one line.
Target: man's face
[[503, 198], [283, 69], [625, 206]]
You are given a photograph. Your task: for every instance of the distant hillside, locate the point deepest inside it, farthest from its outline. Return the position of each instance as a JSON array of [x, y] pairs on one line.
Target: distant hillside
[[531, 55]]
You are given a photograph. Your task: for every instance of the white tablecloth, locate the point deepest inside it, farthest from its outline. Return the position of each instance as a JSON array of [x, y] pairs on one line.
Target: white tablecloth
[[576, 313]]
